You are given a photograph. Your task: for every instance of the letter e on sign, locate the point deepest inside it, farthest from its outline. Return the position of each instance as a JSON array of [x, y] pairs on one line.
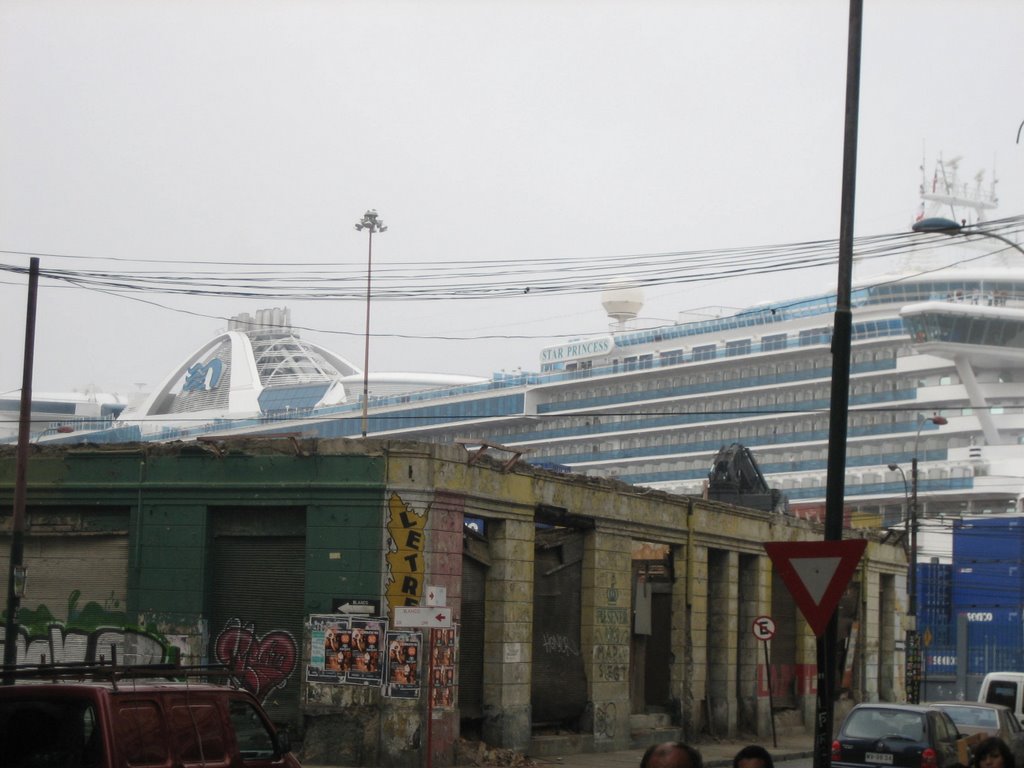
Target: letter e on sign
[[763, 628]]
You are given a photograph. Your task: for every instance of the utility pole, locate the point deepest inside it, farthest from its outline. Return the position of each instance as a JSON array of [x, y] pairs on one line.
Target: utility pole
[[842, 337], [16, 572]]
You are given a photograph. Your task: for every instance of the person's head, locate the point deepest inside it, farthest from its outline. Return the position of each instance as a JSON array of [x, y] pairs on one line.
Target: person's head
[[992, 753], [753, 756], [671, 754]]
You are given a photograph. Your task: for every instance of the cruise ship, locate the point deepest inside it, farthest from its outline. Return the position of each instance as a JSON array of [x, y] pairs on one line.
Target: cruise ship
[[937, 374]]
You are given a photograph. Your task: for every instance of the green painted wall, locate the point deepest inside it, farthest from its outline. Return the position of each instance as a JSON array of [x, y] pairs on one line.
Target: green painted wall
[[173, 492]]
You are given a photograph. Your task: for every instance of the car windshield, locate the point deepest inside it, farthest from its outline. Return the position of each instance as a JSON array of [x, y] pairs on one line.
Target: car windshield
[[881, 723]]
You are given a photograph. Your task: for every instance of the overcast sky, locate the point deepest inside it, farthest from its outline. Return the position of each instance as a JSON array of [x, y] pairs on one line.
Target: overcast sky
[[259, 132]]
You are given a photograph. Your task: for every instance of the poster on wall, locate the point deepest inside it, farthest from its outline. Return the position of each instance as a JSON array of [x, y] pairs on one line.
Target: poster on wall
[[365, 640], [442, 666], [330, 649], [403, 673]]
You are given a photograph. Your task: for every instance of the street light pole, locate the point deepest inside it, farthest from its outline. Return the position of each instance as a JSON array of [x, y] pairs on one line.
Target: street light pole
[[906, 494], [913, 692], [944, 226], [371, 222]]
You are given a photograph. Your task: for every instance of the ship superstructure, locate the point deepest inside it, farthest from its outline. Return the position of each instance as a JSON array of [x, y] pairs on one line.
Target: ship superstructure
[[653, 406]]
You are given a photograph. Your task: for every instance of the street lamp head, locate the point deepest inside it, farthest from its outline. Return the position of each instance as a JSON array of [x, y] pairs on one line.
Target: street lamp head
[[894, 467], [371, 220], [938, 224], [937, 420]]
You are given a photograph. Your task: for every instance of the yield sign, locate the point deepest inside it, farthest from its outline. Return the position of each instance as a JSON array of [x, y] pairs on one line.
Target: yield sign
[[816, 573]]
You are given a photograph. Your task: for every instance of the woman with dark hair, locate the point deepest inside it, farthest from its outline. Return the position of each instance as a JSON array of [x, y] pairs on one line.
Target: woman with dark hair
[[753, 756], [671, 754], [992, 753]]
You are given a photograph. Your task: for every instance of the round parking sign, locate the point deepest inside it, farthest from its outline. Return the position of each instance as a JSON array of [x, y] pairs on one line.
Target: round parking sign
[[763, 628]]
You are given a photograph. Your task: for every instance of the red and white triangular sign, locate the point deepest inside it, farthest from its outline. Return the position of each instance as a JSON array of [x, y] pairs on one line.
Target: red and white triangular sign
[[816, 573]]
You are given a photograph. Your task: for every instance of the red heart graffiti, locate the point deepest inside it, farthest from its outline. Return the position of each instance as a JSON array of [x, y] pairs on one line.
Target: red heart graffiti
[[261, 664]]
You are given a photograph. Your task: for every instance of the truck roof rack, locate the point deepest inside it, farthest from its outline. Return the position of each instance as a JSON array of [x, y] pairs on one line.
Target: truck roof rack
[[107, 671]]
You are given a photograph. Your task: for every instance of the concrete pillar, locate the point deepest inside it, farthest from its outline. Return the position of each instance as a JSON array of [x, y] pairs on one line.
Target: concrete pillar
[[754, 601], [722, 638], [694, 573], [508, 635], [807, 671], [605, 629]]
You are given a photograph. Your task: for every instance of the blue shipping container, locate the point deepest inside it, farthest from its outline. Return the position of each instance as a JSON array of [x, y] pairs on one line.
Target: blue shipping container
[[937, 627], [995, 638], [987, 584], [995, 539], [935, 586], [940, 659]]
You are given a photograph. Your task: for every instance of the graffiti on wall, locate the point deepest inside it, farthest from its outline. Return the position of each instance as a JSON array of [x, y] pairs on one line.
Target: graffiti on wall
[[797, 679], [91, 633], [611, 654], [406, 531], [260, 664], [604, 720]]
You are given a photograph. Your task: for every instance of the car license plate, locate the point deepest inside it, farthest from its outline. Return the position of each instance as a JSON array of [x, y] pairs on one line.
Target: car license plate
[[884, 758]]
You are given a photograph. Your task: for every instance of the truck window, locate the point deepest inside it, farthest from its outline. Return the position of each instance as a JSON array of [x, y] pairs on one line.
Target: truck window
[[1000, 692], [255, 741], [49, 734], [139, 733], [199, 734]]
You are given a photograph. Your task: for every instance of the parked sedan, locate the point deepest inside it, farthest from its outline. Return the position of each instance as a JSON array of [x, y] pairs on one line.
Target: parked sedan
[[900, 735], [972, 717]]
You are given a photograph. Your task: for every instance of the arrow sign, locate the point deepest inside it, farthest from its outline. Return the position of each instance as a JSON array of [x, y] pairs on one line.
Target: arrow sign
[[355, 606], [407, 616], [816, 573], [365, 610]]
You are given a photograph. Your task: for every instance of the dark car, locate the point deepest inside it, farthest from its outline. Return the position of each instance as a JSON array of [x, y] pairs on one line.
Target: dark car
[[901, 735]]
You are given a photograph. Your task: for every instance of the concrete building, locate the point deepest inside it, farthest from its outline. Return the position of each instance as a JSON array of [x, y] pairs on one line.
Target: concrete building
[[565, 612]]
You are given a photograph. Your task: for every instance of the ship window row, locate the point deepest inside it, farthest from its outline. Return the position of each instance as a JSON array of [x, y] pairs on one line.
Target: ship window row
[[814, 462], [713, 351], [762, 316], [808, 429], [766, 402], [1003, 291], [750, 375], [988, 331], [618, 394]]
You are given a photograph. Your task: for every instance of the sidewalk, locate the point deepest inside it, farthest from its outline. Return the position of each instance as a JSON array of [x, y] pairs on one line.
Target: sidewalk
[[717, 754]]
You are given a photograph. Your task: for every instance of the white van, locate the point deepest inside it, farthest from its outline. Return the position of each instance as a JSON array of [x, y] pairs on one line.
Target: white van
[[1005, 688]]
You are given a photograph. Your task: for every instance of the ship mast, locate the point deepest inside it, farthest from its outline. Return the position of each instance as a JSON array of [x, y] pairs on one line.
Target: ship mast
[[945, 195]]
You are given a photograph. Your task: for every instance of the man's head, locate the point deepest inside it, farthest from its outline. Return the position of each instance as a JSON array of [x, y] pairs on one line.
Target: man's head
[[753, 756], [671, 754]]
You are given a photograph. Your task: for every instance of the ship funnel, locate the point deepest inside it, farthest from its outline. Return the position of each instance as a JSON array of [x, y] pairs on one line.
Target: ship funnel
[[622, 303]]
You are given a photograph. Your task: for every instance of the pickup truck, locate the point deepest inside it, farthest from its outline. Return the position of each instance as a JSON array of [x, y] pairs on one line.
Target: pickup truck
[[1006, 688]]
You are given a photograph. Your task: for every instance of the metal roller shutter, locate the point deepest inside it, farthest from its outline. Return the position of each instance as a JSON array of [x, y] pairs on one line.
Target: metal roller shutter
[[79, 582], [471, 640], [558, 691], [256, 617]]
